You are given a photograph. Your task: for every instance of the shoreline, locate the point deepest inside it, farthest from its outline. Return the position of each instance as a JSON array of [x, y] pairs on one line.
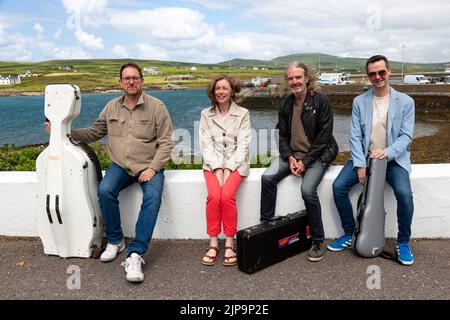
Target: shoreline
[[429, 149], [146, 87]]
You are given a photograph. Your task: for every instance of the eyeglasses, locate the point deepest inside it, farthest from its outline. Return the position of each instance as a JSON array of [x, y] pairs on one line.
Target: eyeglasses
[[381, 73], [128, 79]]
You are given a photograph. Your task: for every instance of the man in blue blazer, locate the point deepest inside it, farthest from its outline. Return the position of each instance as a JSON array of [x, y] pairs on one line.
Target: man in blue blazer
[[382, 127]]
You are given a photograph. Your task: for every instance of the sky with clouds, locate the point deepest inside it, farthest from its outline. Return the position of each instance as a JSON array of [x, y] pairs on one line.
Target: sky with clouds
[[207, 31]]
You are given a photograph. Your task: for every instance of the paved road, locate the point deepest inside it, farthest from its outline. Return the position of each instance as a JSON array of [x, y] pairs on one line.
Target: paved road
[[173, 271]]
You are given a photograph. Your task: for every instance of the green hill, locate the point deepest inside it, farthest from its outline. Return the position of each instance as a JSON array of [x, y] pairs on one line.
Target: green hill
[[102, 74], [329, 63]]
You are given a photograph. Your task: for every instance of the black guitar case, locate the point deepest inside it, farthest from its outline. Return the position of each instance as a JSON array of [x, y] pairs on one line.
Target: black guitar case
[[270, 242]]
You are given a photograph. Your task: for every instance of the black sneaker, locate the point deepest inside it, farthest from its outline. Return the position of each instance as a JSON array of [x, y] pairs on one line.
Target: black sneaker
[[317, 251]]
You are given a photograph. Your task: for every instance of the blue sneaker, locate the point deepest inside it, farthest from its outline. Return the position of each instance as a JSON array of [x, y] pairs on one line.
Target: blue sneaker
[[404, 253], [340, 244]]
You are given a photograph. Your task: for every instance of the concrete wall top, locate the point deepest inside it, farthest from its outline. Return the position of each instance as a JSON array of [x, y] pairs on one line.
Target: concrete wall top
[[182, 214]]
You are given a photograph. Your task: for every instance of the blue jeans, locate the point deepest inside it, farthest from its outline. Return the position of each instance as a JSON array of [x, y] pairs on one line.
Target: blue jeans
[[397, 177], [312, 176], [116, 179]]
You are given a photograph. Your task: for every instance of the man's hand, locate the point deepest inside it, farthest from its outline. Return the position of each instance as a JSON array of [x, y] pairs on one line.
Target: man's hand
[[293, 165], [47, 126], [146, 175], [378, 154], [297, 166], [300, 167], [362, 175]]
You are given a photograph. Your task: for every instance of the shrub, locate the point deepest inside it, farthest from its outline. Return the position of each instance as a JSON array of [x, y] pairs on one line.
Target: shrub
[[14, 158]]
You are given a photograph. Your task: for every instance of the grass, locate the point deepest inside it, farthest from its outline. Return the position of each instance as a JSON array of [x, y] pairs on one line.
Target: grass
[[102, 75], [24, 159]]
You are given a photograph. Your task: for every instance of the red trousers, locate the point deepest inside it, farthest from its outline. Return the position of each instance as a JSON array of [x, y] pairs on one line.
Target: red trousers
[[221, 203]]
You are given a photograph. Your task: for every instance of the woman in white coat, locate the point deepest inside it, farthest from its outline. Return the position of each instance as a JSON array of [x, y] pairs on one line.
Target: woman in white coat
[[225, 134]]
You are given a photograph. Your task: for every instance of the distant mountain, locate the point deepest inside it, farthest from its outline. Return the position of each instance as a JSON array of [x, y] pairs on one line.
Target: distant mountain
[[110, 66], [329, 62]]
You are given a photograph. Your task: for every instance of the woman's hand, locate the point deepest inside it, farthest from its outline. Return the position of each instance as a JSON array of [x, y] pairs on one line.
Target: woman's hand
[[219, 175], [226, 174], [48, 127]]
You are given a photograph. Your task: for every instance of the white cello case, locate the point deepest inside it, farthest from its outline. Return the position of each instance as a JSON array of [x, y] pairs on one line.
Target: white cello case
[[69, 219]]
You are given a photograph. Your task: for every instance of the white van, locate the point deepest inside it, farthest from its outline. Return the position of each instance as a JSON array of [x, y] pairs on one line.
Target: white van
[[415, 79], [334, 78]]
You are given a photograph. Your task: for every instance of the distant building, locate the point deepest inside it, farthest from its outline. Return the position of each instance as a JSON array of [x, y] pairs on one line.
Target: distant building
[[261, 81], [193, 68], [65, 67], [9, 80], [151, 71], [180, 78], [27, 74]]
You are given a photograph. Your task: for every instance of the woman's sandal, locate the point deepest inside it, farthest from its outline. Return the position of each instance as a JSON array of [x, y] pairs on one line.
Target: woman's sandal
[[231, 260], [210, 260]]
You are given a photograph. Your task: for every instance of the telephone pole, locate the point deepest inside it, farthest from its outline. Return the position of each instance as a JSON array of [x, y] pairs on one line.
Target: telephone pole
[[403, 59]]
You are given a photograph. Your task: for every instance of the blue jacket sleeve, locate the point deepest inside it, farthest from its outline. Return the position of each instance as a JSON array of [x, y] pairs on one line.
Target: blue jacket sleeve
[[357, 137]]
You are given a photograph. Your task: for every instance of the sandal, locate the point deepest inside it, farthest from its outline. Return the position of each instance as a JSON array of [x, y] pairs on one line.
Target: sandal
[[210, 260], [231, 260]]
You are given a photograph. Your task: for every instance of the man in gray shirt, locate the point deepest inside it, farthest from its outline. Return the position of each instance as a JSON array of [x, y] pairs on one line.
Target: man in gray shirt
[[140, 142]]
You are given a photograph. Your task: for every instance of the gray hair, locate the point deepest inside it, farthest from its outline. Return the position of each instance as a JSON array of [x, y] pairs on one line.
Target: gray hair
[[311, 84]]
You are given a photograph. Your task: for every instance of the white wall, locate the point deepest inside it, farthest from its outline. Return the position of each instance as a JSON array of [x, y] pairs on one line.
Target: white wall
[[182, 214]]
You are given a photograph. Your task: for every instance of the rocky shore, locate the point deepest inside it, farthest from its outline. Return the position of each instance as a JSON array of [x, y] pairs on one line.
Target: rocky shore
[[145, 87]]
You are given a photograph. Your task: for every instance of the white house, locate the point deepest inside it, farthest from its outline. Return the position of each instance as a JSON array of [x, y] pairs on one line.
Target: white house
[[151, 71], [193, 68], [9, 80], [27, 73]]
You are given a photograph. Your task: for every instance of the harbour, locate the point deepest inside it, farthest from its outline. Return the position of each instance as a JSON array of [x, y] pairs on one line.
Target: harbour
[[434, 98], [23, 117]]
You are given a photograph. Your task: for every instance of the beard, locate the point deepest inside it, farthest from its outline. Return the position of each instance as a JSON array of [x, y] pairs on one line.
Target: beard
[[299, 91], [133, 91]]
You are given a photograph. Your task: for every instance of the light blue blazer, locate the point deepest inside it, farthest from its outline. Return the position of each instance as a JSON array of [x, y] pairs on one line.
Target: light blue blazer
[[400, 128]]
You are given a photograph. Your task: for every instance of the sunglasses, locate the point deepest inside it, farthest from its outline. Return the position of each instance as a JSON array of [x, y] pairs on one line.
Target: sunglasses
[[381, 73]]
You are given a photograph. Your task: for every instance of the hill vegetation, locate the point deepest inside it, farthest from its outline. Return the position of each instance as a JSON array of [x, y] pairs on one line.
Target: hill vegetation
[[102, 74], [333, 63]]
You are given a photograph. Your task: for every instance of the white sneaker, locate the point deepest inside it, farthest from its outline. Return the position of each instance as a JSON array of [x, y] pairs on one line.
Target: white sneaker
[[111, 251], [133, 267]]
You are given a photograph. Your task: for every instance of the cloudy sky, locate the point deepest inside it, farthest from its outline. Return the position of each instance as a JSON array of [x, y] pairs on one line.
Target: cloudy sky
[[208, 31]]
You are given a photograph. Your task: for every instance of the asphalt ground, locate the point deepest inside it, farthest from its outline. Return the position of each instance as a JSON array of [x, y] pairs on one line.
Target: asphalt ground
[[173, 271]]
